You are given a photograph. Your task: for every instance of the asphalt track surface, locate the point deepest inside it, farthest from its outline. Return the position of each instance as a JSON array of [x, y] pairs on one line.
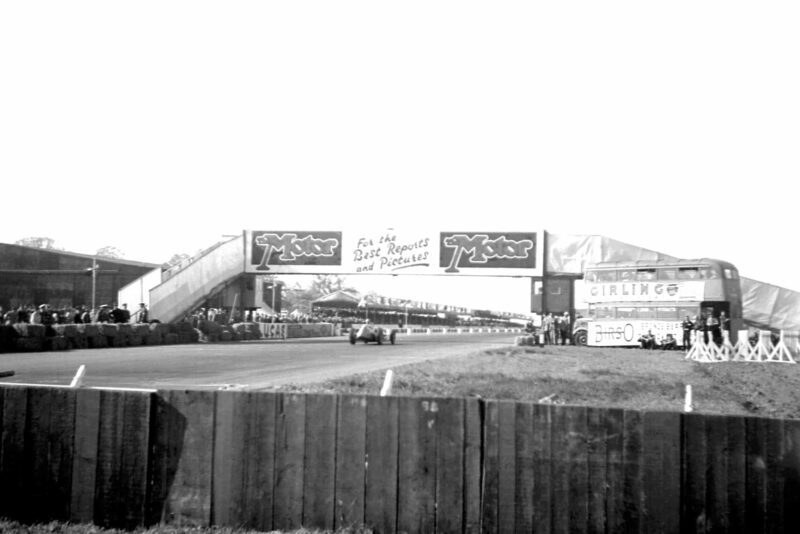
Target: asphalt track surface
[[245, 365]]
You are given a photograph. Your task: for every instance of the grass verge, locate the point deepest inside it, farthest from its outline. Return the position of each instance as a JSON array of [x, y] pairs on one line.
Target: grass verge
[[609, 377]]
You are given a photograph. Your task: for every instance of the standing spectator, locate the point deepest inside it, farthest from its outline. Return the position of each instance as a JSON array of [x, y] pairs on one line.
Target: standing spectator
[[86, 315], [688, 327], [77, 317], [141, 314], [565, 325], [724, 322], [11, 317], [35, 316], [712, 325], [103, 314], [549, 328], [700, 326], [557, 327], [115, 314]]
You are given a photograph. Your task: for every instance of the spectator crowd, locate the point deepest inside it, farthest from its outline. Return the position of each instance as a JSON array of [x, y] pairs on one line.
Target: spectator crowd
[[46, 315]]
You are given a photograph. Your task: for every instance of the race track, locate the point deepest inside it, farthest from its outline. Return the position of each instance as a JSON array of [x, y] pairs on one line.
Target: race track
[[248, 365]]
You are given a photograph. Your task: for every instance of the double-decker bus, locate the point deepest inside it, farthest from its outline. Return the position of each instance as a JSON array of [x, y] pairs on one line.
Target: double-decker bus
[[627, 299]]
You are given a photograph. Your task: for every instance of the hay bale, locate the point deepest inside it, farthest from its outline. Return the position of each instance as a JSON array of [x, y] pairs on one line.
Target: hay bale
[[88, 329], [134, 340], [226, 335], [107, 329], [80, 341], [159, 328], [56, 343], [171, 339], [37, 331], [153, 339], [185, 338], [140, 329], [7, 336], [117, 342], [255, 330], [98, 342], [29, 344], [209, 327], [181, 328], [124, 329], [66, 330]]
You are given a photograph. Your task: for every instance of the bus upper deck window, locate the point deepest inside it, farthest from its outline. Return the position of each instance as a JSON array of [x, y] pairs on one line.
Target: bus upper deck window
[[688, 273], [731, 274], [607, 276], [644, 275], [626, 275], [667, 274], [708, 273], [591, 276]]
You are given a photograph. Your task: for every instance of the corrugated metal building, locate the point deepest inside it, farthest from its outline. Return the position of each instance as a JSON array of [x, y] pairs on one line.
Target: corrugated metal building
[[32, 276]]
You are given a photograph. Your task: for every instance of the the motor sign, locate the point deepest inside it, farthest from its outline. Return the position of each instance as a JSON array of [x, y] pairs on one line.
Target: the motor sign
[[461, 250], [395, 252], [271, 250]]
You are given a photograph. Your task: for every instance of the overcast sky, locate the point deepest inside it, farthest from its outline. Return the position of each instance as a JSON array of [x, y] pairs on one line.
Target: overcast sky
[[158, 127]]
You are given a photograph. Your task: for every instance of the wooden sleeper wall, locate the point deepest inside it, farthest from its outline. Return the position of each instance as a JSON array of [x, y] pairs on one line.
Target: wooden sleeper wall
[[396, 464]]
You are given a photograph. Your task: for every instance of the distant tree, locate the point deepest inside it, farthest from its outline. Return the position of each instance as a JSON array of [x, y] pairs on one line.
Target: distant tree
[[176, 259], [325, 284], [110, 252], [299, 297], [38, 242]]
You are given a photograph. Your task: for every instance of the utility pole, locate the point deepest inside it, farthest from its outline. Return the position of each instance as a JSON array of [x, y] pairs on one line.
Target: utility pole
[[94, 282], [273, 295]]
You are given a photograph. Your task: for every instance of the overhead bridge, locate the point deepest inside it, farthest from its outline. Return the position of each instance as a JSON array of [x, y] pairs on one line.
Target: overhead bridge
[[187, 286]]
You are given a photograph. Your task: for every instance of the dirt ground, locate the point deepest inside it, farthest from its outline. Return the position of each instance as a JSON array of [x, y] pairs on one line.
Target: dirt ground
[[623, 378]]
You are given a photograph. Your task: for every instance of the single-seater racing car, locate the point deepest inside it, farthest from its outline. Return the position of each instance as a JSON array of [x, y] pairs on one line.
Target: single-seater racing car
[[370, 333]]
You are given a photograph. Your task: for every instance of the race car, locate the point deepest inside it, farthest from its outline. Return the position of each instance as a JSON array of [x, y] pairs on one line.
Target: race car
[[370, 333]]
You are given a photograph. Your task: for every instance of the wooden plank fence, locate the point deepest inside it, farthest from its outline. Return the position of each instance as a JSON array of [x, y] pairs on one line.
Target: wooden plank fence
[[396, 464]]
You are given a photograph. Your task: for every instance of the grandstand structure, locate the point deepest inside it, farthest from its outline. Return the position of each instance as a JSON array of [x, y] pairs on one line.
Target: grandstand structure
[[349, 307]]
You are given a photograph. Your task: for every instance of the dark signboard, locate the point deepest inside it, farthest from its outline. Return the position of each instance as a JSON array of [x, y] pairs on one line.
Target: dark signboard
[[294, 248], [487, 250]]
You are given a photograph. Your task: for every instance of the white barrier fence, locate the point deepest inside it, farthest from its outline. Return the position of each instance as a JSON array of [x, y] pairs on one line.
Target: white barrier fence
[[764, 350], [458, 330]]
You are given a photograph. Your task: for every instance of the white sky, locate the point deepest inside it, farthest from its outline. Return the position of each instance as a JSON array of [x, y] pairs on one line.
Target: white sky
[[158, 127]]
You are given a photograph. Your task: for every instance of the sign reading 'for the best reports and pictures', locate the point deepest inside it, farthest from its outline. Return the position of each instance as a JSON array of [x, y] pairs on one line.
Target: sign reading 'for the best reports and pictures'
[[395, 252]]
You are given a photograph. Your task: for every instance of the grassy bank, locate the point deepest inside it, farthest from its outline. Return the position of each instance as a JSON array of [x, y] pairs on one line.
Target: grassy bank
[[624, 378]]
